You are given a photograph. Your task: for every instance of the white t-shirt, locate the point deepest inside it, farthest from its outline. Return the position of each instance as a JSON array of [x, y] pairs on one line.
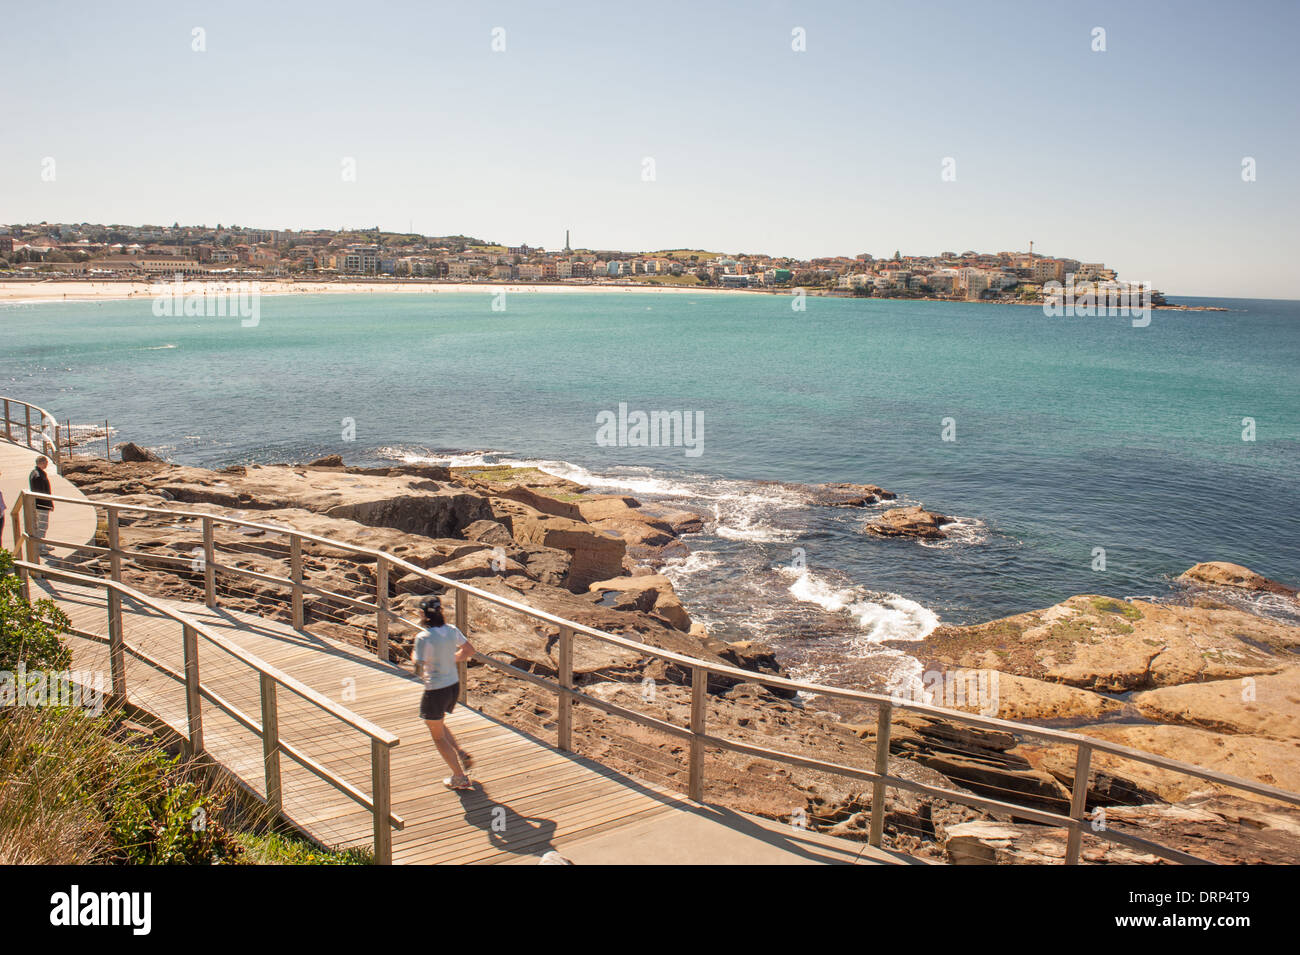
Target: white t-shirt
[[436, 648]]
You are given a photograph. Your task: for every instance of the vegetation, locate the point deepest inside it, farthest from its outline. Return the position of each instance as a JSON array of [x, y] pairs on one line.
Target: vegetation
[[276, 848], [29, 632], [1110, 605]]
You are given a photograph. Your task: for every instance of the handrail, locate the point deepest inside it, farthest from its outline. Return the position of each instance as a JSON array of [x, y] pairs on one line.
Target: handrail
[[712, 669], [269, 677], [49, 442], [1076, 823]]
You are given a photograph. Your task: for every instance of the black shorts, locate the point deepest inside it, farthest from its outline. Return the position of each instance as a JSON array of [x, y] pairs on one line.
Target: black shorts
[[435, 704]]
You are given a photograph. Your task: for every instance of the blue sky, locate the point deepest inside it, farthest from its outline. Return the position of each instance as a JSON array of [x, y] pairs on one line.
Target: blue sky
[[1130, 156]]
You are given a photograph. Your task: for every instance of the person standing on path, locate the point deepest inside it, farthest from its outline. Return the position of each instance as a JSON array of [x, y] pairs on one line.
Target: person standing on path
[[437, 651], [39, 483]]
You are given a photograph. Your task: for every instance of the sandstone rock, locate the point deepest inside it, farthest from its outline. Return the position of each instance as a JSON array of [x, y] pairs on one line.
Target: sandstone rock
[[481, 563], [440, 513], [133, 453], [1265, 705], [1106, 645], [545, 503], [329, 461], [489, 532], [999, 843], [850, 495], [599, 507], [915, 522], [1265, 760], [649, 594], [596, 554], [1025, 699], [1217, 573]]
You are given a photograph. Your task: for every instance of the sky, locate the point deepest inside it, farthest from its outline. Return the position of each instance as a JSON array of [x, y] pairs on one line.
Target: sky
[[1132, 155]]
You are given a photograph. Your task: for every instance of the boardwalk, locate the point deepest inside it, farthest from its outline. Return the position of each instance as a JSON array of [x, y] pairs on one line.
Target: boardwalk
[[530, 798]]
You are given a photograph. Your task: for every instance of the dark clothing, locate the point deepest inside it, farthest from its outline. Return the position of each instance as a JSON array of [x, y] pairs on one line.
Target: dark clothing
[[435, 704], [39, 482]]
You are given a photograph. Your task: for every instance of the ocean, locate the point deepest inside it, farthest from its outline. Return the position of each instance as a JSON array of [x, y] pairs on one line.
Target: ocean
[[1052, 442]]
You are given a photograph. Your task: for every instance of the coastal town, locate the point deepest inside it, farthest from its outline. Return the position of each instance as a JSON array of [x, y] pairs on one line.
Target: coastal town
[[49, 251]]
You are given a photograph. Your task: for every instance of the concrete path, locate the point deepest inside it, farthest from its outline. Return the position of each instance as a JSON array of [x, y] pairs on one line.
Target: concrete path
[[68, 522]]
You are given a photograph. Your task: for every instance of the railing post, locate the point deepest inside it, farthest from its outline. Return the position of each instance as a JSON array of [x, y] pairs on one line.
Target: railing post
[[699, 688], [29, 529], [108, 448], [209, 564], [114, 545], [381, 607], [1078, 803], [16, 519], [27, 409], [295, 574], [462, 624], [193, 712], [878, 787], [271, 746], [58, 455], [381, 787], [116, 648], [565, 741], [9, 434]]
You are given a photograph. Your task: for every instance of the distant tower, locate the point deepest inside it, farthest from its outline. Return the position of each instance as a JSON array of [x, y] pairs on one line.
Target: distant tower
[[566, 241], [1031, 247]]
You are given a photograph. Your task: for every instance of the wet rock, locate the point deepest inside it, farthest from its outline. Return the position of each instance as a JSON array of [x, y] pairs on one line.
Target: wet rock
[[913, 522], [133, 453], [1217, 573], [850, 495]]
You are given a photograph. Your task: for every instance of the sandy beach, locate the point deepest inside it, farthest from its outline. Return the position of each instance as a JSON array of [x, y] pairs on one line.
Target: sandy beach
[[90, 290]]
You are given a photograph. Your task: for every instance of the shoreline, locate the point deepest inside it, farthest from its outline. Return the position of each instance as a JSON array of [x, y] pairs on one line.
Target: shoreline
[[36, 292]]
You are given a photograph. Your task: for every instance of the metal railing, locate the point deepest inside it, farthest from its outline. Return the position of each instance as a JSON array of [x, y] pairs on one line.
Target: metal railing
[[266, 725], [221, 559], [35, 428]]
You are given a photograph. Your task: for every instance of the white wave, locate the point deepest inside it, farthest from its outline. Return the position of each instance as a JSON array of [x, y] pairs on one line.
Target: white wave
[[454, 459], [961, 532], [661, 487], [693, 563], [157, 347], [881, 616]]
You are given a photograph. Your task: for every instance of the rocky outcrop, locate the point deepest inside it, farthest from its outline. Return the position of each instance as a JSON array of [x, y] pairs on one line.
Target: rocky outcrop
[[134, 454], [596, 554], [913, 522], [441, 512], [652, 594], [1217, 573], [1267, 705], [850, 495], [1107, 645], [1184, 666]]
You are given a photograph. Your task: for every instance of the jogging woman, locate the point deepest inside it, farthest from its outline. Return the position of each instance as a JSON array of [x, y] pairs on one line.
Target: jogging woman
[[438, 649]]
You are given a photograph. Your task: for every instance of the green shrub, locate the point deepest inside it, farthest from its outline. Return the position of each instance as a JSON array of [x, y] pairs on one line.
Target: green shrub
[[30, 633], [277, 848]]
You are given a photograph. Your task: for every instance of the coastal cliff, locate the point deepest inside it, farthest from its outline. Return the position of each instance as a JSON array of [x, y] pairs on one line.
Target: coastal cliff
[[1164, 677]]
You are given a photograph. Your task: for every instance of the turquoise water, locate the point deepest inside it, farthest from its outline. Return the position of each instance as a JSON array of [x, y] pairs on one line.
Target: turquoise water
[[1071, 433]]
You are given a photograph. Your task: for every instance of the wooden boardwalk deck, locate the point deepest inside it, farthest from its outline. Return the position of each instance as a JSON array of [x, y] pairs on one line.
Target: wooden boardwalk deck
[[530, 798]]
